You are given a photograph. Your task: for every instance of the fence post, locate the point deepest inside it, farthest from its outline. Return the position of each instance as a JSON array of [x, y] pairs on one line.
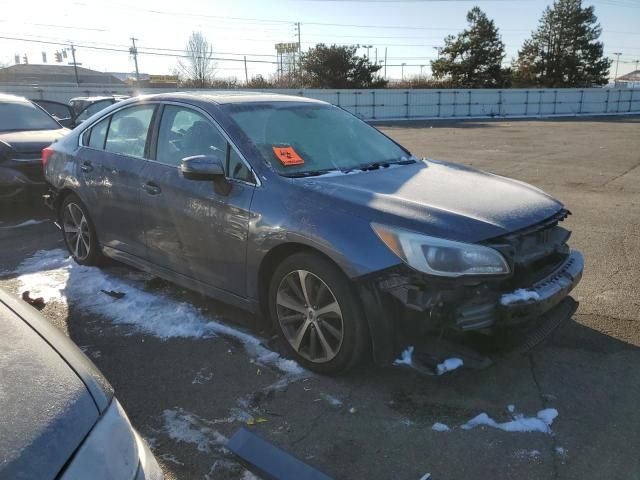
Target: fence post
[[373, 103], [407, 103], [581, 101], [500, 103], [455, 103], [631, 100], [338, 94], [439, 102], [555, 101], [355, 95], [469, 105], [526, 104], [606, 103], [619, 97], [539, 102]]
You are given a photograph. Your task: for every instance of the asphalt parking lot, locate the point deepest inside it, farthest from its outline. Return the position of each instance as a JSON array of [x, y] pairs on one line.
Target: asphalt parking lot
[[186, 389]]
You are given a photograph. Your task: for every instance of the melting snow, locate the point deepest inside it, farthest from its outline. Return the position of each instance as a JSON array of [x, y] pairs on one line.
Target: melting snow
[[405, 357], [540, 423], [183, 426], [519, 295], [440, 427], [23, 224], [527, 454], [448, 365], [53, 275]]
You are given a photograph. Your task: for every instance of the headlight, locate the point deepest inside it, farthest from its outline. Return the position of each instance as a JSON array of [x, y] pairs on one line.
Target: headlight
[[437, 256], [110, 450]]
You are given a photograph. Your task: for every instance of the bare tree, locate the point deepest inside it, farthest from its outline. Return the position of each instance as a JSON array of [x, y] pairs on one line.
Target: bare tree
[[198, 65]]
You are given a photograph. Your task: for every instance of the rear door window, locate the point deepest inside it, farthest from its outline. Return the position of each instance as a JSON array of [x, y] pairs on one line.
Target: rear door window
[[129, 129]]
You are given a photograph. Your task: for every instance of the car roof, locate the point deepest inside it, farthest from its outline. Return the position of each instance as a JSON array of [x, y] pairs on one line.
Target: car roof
[[225, 97], [6, 98]]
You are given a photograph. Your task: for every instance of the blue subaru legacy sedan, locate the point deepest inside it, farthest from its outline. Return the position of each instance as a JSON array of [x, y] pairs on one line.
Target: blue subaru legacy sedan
[[295, 209]]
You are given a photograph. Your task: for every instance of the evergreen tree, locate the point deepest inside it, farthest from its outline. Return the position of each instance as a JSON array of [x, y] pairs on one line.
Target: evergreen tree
[[563, 51], [473, 59], [339, 67]]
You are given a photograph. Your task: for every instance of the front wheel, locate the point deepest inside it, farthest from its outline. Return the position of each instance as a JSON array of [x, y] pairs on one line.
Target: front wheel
[[317, 314], [78, 232]]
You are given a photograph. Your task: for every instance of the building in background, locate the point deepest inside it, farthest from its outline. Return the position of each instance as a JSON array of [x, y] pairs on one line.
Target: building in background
[[30, 74], [630, 80], [147, 80]]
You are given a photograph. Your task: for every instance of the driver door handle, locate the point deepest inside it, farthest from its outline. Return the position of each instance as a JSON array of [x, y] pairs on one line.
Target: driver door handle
[[151, 188], [86, 167]]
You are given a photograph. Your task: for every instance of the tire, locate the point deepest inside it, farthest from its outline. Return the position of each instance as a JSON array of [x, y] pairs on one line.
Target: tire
[[327, 339], [74, 217]]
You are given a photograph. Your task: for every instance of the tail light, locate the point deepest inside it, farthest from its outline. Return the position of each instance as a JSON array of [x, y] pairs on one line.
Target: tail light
[[46, 155]]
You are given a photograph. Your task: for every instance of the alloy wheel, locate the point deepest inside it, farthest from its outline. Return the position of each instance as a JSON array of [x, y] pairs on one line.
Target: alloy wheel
[[76, 231], [309, 316]]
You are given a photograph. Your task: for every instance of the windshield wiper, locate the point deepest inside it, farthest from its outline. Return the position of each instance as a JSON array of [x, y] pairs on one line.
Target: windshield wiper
[[377, 165], [308, 173]]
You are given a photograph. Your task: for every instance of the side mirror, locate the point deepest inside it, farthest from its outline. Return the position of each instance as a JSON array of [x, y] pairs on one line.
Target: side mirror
[[202, 167]]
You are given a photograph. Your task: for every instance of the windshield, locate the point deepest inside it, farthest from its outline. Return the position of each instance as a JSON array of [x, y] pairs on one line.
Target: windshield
[[24, 116], [295, 138]]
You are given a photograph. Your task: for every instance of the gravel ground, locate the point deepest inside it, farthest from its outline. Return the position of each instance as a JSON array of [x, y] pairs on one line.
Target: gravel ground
[[186, 394]]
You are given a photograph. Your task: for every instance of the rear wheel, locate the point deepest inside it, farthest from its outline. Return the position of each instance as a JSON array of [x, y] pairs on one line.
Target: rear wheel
[[78, 232], [317, 313]]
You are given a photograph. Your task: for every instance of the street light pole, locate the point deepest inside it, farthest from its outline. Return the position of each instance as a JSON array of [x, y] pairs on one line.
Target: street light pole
[[402, 67], [617, 54], [421, 67], [367, 47]]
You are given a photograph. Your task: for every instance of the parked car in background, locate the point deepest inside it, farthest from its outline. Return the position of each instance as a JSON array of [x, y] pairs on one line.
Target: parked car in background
[[84, 107], [298, 209], [60, 419], [62, 112], [78, 109], [25, 129]]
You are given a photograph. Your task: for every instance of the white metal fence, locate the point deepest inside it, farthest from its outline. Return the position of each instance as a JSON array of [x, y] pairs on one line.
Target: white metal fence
[[392, 104]]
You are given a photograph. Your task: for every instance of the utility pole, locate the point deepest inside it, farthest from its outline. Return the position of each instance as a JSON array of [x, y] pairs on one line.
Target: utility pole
[[385, 63], [134, 51], [421, 67], [376, 50], [367, 47], [75, 65], [299, 54], [246, 75], [617, 54], [637, 61], [402, 67]]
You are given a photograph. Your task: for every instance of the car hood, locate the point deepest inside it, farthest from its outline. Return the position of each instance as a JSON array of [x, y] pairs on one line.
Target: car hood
[[442, 199], [31, 141], [46, 409]]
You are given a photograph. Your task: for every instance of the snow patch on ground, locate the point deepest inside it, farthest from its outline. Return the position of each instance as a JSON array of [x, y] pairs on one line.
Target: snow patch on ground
[[527, 454], [405, 357], [53, 275], [23, 224], [519, 295], [331, 400], [448, 365], [183, 426], [540, 423], [561, 451], [440, 427]]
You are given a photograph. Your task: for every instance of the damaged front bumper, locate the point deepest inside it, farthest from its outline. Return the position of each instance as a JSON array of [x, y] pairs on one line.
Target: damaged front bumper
[[544, 294], [428, 304]]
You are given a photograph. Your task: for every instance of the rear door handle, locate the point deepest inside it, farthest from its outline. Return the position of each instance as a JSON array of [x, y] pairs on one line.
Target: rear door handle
[[151, 188], [86, 167]]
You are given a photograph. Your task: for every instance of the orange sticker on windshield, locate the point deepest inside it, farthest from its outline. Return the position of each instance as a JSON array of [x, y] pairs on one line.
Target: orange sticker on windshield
[[288, 156]]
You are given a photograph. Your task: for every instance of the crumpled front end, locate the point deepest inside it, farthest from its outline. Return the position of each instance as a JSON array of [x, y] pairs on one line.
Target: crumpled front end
[[544, 270]]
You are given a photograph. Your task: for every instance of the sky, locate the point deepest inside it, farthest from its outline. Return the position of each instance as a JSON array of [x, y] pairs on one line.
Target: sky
[[409, 31]]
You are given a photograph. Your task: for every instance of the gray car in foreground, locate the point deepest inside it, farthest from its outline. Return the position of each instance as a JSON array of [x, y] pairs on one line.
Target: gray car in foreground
[[297, 209], [59, 417]]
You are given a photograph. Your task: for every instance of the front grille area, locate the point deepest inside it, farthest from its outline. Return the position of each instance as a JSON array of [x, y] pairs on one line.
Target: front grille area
[[536, 251]]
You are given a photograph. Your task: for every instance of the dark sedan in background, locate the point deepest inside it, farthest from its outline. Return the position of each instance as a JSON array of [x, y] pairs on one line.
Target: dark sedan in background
[[298, 209], [59, 418], [25, 129]]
